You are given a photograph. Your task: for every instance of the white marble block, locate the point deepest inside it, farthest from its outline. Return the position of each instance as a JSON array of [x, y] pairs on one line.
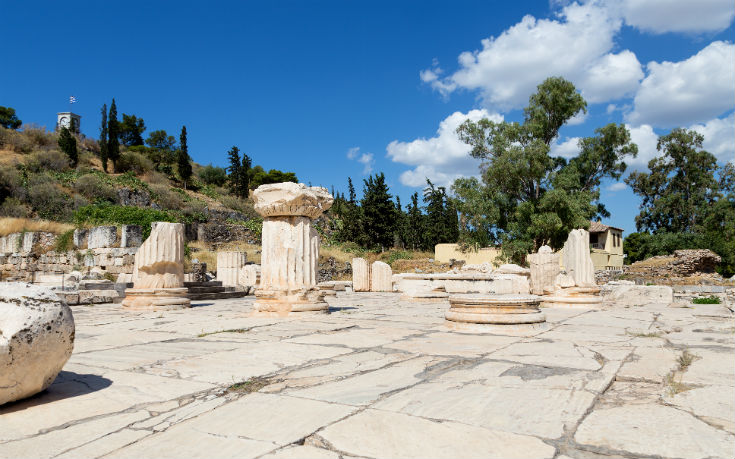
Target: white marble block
[[381, 277], [544, 269], [229, 265], [290, 248], [360, 275], [577, 259], [36, 339]]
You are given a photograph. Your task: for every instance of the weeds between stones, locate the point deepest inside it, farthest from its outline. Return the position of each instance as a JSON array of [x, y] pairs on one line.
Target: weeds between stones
[[251, 385], [646, 335], [706, 300], [232, 330]]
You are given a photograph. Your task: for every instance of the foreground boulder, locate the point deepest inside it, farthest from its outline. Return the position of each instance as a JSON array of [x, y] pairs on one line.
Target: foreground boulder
[[36, 339]]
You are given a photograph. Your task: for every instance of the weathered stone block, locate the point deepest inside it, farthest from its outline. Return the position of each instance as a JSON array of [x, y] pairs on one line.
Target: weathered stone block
[[381, 277], [229, 265], [80, 238], [102, 236], [360, 275], [132, 236], [38, 328]]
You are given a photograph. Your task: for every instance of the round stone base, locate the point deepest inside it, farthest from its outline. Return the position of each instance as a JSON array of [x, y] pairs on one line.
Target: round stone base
[[425, 297], [505, 314], [581, 301], [156, 299], [277, 304]]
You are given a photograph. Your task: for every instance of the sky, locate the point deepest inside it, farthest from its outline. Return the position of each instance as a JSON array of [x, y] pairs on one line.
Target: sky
[[337, 89]]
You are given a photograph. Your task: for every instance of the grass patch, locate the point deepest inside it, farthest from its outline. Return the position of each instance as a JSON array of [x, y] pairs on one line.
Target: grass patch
[[232, 330], [108, 214], [646, 335], [707, 300], [9, 225], [64, 242], [251, 385], [685, 359], [673, 386]]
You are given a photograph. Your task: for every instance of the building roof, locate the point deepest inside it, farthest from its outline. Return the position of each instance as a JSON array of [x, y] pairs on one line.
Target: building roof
[[597, 227]]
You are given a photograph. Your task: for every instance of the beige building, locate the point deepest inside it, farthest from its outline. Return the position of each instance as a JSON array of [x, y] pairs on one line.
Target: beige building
[[606, 246], [445, 252]]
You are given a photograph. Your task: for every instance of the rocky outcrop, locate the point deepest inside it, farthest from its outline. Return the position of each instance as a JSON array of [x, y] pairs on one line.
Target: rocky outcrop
[[36, 339], [128, 197]]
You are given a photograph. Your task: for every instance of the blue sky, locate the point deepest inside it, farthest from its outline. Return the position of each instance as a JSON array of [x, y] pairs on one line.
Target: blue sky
[[336, 89]]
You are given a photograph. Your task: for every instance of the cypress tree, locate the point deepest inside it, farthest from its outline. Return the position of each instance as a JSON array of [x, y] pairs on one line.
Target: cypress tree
[[183, 161], [113, 133], [234, 170], [245, 176], [103, 138], [414, 224], [68, 144]]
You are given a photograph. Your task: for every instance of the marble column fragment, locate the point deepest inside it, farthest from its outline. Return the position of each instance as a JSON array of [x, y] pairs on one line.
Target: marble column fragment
[[360, 275], [381, 277], [544, 269], [290, 248]]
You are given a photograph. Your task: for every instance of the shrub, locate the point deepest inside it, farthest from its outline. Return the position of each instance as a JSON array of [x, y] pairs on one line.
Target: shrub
[[11, 183], [129, 180], [64, 242], [48, 199], [13, 207], [39, 137], [166, 198], [211, 175], [131, 161], [108, 214], [94, 188], [706, 300], [156, 178], [47, 160], [240, 205], [15, 141]]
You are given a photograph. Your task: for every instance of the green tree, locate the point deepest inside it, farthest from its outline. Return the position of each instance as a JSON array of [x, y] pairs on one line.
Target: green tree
[[351, 217], [527, 198], [413, 235], [8, 118], [212, 175], [378, 213], [441, 217], [113, 133], [183, 162], [68, 144], [131, 130], [103, 138], [235, 171], [258, 176], [160, 140], [680, 187]]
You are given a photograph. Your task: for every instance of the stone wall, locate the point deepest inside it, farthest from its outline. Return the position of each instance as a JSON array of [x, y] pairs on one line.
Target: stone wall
[[23, 256]]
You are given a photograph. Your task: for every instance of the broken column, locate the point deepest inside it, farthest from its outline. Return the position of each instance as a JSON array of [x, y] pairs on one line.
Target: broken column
[[290, 253], [505, 314], [229, 265], [544, 269], [575, 286], [360, 275], [158, 275], [381, 277]]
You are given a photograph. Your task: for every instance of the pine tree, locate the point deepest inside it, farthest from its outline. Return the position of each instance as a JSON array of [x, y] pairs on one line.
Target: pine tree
[[442, 224], [103, 138], [351, 189], [245, 176], [351, 218], [68, 144], [183, 161], [113, 133], [378, 213], [234, 170]]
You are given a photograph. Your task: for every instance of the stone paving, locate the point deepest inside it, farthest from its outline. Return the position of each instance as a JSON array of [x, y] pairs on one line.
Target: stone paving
[[382, 378]]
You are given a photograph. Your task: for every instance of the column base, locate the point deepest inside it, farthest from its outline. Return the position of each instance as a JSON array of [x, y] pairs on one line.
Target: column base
[[280, 304], [156, 299]]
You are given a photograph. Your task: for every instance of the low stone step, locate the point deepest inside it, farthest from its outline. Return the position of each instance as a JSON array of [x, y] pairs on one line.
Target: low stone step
[[95, 285], [203, 284], [207, 289], [215, 296]]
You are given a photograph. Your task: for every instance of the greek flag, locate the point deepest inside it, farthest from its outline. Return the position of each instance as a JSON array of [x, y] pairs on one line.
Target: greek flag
[[72, 99]]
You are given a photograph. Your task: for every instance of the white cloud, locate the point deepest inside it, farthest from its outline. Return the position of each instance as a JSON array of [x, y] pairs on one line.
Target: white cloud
[[613, 76], [617, 186], [719, 137], [577, 45], [689, 91], [566, 149], [660, 16], [441, 158], [646, 139], [366, 159]]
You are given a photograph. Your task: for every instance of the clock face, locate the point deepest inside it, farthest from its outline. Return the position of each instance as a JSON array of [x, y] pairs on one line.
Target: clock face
[[64, 121]]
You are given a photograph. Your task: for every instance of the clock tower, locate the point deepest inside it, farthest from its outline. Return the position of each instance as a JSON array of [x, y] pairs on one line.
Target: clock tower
[[69, 120]]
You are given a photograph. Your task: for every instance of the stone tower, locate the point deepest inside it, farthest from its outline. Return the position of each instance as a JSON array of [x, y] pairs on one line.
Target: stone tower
[[69, 120]]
